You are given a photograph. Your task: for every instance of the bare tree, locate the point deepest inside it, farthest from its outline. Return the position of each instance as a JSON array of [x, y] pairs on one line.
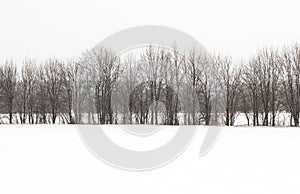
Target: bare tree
[[8, 81], [26, 91], [266, 62], [250, 79], [80, 91], [105, 69], [67, 73], [54, 86], [199, 71], [229, 80], [291, 81], [244, 104]]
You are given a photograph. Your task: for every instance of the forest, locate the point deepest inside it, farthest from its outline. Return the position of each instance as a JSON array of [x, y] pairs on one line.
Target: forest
[[154, 85]]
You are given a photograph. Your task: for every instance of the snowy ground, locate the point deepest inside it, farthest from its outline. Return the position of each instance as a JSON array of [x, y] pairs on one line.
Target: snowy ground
[[44, 159], [282, 119]]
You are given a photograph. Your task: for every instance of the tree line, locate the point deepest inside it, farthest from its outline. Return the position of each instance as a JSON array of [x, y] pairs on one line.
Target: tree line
[[156, 85]]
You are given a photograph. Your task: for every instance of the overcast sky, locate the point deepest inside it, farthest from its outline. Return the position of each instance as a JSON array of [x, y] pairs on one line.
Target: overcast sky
[[64, 28]]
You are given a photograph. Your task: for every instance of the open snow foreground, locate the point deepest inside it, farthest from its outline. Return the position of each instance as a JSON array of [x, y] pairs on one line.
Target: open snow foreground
[[51, 159]]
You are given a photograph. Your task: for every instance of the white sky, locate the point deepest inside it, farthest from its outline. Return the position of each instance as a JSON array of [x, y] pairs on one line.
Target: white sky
[[64, 28]]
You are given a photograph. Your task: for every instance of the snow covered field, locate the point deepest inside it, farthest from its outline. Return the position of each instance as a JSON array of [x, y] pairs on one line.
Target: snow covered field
[[39, 159]]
